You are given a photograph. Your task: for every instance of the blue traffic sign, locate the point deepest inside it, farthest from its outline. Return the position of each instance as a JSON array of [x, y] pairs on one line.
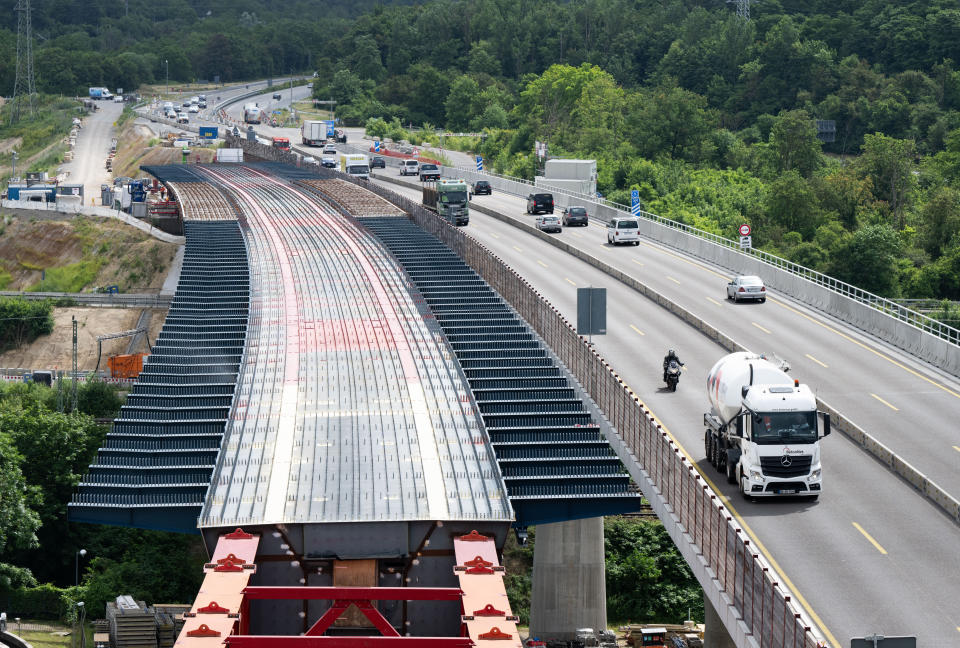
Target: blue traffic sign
[[208, 132], [479, 163], [635, 202]]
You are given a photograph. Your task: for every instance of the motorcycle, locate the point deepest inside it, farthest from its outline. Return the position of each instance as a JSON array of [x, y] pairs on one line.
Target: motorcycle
[[672, 375]]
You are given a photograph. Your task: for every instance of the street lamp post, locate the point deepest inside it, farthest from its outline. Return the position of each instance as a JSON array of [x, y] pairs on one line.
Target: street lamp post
[[80, 554], [82, 614], [14, 158], [166, 66]]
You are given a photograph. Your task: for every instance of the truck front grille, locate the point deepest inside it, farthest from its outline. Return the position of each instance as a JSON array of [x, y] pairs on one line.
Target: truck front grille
[[799, 466]]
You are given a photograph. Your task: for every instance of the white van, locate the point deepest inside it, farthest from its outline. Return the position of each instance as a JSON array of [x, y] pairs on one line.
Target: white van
[[623, 230], [410, 167]]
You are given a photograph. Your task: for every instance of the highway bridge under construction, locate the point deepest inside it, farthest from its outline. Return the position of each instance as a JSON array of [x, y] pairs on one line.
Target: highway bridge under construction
[[354, 420]]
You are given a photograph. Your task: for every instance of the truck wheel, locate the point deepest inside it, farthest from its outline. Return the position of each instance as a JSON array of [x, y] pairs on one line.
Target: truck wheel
[[706, 444], [731, 472]]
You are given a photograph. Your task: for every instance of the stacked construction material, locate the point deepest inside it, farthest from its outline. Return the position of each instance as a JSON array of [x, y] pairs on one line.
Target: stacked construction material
[[169, 622], [132, 624]]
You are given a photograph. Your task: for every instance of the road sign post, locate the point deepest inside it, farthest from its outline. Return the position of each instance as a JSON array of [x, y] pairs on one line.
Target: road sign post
[[635, 202], [746, 242], [879, 641], [479, 163], [744, 230], [591, 311]]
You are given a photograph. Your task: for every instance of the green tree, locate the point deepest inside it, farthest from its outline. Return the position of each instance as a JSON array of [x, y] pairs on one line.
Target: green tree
[[889, 162], [671, 121], [868, 260], [794, 140], [647, 578], [18, 522], [459, 103], [940, 221], [792, 206]]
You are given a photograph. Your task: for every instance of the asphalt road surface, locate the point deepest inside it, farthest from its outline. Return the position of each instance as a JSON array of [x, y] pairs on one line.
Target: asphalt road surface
[[88, 166], [872, 555]]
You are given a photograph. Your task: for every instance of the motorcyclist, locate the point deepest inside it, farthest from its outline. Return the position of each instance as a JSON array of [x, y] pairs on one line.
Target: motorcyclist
[[671, 355]]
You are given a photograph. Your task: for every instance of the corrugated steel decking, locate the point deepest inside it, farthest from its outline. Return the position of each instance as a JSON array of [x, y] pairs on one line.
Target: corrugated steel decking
[[555, 461], [154, 468], [350, 406]]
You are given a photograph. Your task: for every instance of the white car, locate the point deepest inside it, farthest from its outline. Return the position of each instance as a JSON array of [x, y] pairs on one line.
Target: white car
[[329, 150], [194, 108], [548, 223], [183, 118], [310, 159], [623, 230], [409, 167], [747, 287]]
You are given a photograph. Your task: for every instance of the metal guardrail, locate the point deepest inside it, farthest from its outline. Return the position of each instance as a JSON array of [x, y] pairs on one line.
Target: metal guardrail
[[103, 300], [865, 310]]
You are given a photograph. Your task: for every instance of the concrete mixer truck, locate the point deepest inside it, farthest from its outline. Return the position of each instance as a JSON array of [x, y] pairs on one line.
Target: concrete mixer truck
[[762, 428]]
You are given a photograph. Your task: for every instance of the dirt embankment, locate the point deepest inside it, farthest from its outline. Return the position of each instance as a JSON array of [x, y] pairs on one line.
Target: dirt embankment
[[80, 254], [55, 351], [138, 147]]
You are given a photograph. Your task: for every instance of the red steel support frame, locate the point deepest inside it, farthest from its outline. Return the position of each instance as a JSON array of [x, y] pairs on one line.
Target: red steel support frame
[[343, 598]]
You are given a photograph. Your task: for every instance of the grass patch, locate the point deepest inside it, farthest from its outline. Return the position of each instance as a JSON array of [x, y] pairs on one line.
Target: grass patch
[[52, 121], [69, 278], [125, 116], [51, 159], [5, 279], [52, 638]]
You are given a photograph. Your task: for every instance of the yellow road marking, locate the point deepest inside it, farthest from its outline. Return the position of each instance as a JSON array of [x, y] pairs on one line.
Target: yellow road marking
[[577, 235], [496, 236], [673, 280], [570, 282], [871, 350], [895, 409], [542, 263], [817, 361], [642, 333], [518, 249], [637, 262], [746, 529], [714, 301], [761, 328], [870, 538], [957, 448]]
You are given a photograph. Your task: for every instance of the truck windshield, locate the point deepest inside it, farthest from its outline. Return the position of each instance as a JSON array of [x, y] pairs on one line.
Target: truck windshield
[[358, 169], [774, 428], [454, 196]]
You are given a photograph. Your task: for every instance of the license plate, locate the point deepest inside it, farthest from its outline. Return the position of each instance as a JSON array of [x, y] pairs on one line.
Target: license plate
[[788, 491]]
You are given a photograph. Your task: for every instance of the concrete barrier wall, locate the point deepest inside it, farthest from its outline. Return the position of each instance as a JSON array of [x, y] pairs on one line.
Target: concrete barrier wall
[[936, 350]]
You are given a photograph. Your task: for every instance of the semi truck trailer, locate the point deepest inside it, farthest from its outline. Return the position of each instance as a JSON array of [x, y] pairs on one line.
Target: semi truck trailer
[[252, 113], [762, 428]]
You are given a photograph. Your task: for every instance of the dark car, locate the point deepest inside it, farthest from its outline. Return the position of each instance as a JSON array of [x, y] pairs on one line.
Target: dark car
[[429, 172], [276, 95], [378, 163], [538, 203], [575, 216], [481, 187]]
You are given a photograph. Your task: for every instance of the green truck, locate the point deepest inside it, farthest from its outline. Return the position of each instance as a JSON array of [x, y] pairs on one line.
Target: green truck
[[450, 199]]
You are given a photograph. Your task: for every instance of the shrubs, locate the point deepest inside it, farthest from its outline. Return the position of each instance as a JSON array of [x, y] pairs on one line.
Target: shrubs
[[23, 321]]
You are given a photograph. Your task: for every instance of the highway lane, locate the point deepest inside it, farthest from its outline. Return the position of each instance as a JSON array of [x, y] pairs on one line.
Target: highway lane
[[828, 561], [906, 404]]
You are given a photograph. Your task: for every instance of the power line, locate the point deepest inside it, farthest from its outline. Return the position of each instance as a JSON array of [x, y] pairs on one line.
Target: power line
[[743, 8]]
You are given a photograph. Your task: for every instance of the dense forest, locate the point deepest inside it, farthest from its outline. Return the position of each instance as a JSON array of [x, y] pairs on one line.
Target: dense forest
[[711, 117]]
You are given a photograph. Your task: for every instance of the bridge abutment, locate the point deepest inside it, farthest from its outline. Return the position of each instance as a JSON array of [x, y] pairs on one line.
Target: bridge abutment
[[569, 587]]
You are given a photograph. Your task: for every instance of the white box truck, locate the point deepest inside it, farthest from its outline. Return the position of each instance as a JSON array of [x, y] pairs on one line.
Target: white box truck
[[762, 428], [355, 164], [313, 133]]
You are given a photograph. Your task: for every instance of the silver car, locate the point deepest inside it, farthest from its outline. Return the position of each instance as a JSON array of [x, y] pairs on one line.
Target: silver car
[[747, 287], [548, 223]]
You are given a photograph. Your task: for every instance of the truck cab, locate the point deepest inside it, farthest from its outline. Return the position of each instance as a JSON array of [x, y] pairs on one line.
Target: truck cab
[[282, 143], [762, 429]]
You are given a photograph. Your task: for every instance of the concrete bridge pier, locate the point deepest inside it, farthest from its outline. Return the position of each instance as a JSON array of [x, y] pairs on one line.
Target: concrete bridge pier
[[569, 587], [715, 634]]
